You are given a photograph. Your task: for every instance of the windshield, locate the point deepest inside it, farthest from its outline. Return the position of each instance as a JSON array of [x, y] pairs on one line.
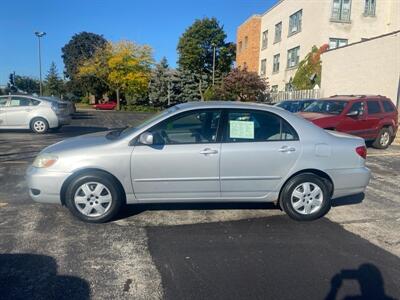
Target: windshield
[[331, 107], [129, 130]]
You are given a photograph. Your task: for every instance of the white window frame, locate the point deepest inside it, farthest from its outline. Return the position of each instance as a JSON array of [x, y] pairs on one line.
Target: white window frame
[[337, 42], [278, 38], [370, 8], [276, 63], [263, 67], [295, 21], [341, 13], [293, 57], [264, 39]]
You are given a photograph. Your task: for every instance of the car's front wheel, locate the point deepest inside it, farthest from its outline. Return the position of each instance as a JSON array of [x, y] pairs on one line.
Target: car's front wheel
[[94, 197], [306, 197]]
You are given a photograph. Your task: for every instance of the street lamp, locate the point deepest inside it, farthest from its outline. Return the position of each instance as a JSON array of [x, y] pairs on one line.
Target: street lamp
[[40, 34]]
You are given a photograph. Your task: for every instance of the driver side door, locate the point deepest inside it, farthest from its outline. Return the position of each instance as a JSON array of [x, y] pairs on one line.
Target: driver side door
[[183, 161]]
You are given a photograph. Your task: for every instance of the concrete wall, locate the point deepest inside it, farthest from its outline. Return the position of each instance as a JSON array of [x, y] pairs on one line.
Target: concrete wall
[[317, 28], [369, 67], [249, 54]]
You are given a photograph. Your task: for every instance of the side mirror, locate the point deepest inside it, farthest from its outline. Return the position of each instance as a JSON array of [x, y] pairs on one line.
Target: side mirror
[[353, 113], [146, 138]]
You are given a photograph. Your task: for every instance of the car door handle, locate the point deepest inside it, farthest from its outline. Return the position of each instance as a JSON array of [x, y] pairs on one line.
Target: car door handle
[[287, 149], [208, 151]]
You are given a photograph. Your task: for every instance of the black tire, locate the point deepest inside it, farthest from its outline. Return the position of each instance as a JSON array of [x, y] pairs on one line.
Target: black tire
[[99, 177], [292, 184], [381, 142], [43, 128]]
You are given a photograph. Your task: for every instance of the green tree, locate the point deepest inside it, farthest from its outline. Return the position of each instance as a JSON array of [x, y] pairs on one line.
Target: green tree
[[27, 84], [80, 48], [242, 85], [308, 73], [160, 87], [124, 67], [53, 84], [196, 51]]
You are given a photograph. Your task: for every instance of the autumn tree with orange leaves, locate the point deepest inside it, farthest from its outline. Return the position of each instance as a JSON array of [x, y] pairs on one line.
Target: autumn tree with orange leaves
[[123, 67], [308, 73]]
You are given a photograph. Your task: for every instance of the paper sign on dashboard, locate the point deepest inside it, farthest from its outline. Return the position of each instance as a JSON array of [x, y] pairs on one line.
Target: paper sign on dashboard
[[241, 129]]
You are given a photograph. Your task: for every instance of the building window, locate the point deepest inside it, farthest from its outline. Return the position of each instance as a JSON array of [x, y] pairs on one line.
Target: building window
[[370, 6], [240, 46], [341, 10], [293, 57], [263, 69], [275, 67], [264, 43], [246, 41], [278, 32], [274, 88], [295, 22], [336, 43]]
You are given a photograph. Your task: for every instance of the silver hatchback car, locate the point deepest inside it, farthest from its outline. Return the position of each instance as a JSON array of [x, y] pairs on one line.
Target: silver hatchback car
[[29, 112], [203, 152]]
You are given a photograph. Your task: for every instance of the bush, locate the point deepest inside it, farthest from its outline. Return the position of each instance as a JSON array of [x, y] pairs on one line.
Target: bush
[[85, 100], [140, 108]]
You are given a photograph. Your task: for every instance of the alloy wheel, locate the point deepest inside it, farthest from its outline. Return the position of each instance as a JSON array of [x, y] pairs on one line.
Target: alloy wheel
[[93, 199], [307, 198], [39, 126]]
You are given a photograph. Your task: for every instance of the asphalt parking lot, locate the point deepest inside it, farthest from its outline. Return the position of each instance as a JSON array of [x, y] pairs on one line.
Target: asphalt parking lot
[[196, 251]]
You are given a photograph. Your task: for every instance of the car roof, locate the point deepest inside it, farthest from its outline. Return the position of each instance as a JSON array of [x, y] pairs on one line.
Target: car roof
[[352, 97], [225, 104]]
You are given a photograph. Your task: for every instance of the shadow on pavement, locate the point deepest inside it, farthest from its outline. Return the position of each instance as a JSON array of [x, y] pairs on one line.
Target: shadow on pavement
[[82, 116], [348, 200], [31, 276], [135, 209], [271, 258]]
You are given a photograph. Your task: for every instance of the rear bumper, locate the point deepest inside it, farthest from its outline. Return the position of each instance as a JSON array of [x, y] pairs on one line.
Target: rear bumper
[[64, 120], [45, 186], [349, 181]]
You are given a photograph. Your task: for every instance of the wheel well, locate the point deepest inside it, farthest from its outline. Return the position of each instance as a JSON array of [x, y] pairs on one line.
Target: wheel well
[[37, 117], [319, 173], [84, 171]]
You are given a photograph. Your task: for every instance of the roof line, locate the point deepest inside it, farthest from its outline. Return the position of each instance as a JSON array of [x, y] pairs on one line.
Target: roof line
[[365, 40]]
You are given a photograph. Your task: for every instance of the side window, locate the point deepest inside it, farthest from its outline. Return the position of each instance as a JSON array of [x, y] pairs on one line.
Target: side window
[[200, 126], [373, 107], [20, 101], [254, 126], [358, 106], [3, 102], [388, 106]]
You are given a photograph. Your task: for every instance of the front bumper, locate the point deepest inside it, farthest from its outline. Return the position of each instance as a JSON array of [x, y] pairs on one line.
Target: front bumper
[[45, 186], [349, 181]]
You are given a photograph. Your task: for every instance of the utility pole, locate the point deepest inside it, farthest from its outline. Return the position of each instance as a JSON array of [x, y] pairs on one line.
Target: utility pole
[[40, 34], [213, 68]]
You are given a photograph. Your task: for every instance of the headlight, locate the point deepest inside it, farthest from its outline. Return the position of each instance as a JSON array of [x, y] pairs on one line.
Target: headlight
[[44, 161]]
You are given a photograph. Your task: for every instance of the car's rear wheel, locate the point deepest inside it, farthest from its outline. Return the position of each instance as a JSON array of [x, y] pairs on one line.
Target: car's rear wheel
[[306, 197], [383, 139], [39, 125], [95, 197]]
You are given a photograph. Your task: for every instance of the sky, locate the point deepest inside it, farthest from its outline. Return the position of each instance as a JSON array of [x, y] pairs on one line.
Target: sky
[[158, 23]]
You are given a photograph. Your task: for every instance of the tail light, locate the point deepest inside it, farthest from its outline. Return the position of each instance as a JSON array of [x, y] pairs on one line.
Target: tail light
[[362, 151]]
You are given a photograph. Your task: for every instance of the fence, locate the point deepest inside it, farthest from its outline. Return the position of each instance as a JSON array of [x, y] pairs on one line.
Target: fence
[[294, 95]]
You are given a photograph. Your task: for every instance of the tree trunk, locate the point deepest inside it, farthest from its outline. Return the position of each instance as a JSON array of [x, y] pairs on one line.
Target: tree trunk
[[118, 100]]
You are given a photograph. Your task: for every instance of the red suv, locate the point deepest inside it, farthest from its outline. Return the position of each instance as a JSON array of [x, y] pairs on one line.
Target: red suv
[[374, 118]]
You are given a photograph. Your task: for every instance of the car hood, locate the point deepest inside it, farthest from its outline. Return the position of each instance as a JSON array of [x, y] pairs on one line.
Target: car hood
[[80, 142]]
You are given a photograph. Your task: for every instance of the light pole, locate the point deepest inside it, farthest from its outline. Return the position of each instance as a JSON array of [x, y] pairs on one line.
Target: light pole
[[40, 34], [213, 67]]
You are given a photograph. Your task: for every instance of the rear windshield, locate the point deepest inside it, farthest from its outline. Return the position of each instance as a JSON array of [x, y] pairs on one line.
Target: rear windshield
[[332, 107]]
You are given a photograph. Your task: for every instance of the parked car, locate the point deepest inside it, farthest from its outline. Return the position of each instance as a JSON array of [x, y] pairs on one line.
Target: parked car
[[295, 106], [110, 105], [70, 105], [203, 152], [28, 112], [374, 118]]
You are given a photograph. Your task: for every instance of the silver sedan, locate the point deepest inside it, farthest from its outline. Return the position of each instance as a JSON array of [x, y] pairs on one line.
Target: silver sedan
[[203, 152]]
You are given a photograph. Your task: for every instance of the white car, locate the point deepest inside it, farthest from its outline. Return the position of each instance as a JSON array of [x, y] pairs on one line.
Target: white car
[[28, 112], [70, 105]]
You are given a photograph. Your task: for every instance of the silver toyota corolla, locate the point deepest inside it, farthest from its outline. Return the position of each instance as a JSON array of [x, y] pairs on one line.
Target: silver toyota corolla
[[203, 152]]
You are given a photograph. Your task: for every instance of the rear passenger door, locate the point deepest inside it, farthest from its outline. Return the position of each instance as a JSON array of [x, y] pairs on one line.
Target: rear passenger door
[[374, 117], [18, 110], [257, 152]]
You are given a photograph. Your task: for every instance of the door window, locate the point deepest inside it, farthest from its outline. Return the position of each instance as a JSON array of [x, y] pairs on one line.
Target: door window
[[358, 106], [255, 126], [20, 101], [3, 102], [373, 107], [199, 127], [388, 106]]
